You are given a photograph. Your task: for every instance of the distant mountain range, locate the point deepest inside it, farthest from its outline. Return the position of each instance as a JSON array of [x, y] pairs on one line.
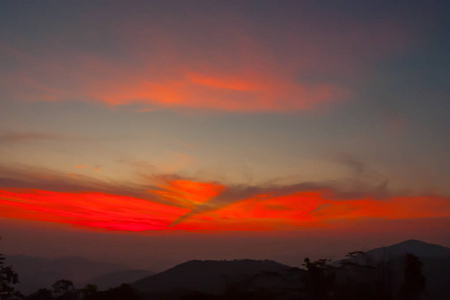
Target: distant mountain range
[[35, 272], [116, 278]]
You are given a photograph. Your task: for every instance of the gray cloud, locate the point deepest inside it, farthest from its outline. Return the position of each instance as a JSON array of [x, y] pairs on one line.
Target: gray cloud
[[15, 136]]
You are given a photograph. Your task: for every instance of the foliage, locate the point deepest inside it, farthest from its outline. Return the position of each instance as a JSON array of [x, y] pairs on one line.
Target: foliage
[[352, 257], [414, 284], [41, 294], [8, 279], [89, 291], [320, 279], [123, 292], [63, 289]]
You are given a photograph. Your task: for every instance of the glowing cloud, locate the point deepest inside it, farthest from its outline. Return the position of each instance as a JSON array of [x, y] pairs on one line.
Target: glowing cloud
[[89, 209], [244, 69], [188, 193], [312, 209], [181, 204]]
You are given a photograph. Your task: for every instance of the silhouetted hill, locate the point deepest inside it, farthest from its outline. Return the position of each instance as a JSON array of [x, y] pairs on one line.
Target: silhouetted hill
[[205, 276], [418, 248], [391, 259], [116, 278]]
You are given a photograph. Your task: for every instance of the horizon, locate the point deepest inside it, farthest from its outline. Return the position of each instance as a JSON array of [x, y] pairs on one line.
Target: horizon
[[203, 248], [206, 260], [164, 131]]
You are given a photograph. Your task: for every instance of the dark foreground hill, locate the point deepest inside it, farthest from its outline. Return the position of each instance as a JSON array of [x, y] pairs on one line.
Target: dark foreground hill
[[116, 278], [205, 276]]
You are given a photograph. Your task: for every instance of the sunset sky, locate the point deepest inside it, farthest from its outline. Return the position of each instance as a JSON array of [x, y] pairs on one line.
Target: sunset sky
[[202, 123]]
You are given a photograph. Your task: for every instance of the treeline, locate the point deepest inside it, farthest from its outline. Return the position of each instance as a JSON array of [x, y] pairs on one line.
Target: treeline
[[65, 290]]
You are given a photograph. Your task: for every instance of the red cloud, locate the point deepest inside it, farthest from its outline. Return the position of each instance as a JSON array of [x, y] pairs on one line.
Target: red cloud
[[313, 209], [299, 210], [88, 209]]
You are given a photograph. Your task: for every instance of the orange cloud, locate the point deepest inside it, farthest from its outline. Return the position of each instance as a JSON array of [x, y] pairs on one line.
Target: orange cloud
[[242, 70], [217, 91], [188, 193], [229, 83]]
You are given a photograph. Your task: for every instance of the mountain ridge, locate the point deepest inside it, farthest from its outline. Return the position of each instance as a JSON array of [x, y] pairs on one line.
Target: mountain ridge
[[210, 276]]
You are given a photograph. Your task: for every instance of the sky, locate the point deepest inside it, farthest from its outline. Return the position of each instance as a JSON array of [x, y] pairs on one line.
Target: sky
[[170, 130]]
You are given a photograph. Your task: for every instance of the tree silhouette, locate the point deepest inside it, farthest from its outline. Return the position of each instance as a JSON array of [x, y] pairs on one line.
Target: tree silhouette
[[414, 284], [41, 294], [320, 279], [356, 279], [352, 257], [123, 292], [8, 279], [63, 289], [89, 291]]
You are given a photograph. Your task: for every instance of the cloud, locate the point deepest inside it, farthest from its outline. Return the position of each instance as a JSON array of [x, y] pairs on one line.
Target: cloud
[[353, 164], [25, 177], [14, 136], [313, 209], [170, 202], [339, 190], [219, 61], [187, 192], [87, 209]]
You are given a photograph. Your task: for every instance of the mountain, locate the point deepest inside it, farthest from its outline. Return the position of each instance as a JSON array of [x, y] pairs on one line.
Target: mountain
[[391, 259], [418, 248], [205, 276], [399, 250], [35, 272], [116, 278]]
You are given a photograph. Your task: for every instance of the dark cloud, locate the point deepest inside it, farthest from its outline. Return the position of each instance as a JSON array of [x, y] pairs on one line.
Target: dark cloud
[[356, 166]]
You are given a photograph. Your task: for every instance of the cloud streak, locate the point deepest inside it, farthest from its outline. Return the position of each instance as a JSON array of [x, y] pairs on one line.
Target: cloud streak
[[174, 203], [87, 209], [15, 136]]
